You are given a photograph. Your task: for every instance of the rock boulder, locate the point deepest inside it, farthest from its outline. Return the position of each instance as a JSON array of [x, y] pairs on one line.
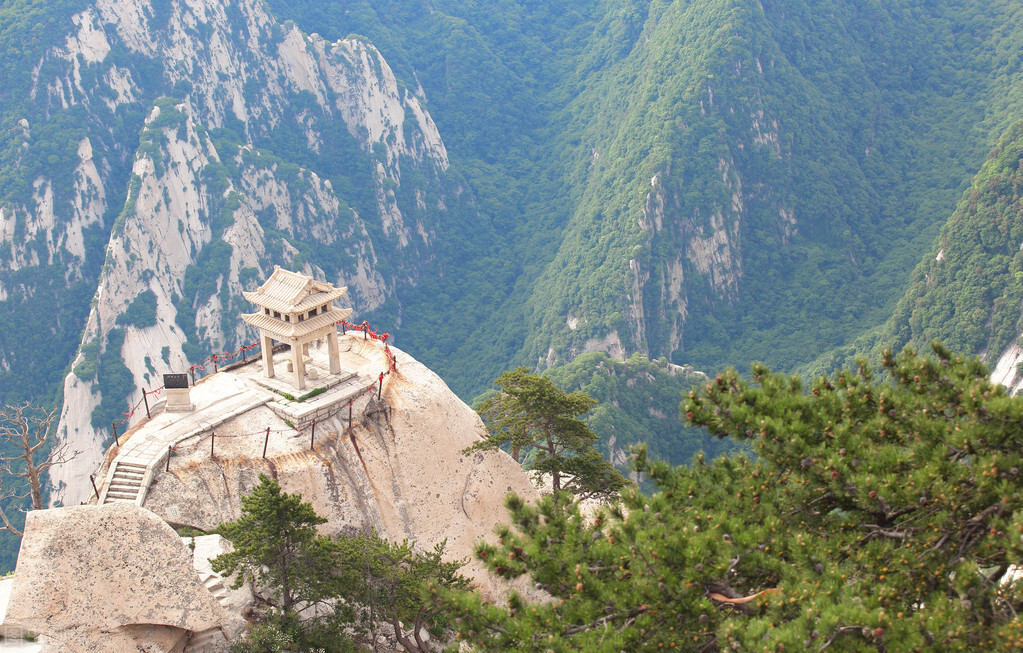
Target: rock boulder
[[107, 578]]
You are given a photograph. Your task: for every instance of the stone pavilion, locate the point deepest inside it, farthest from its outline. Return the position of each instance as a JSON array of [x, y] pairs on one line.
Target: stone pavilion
[[296, 310]]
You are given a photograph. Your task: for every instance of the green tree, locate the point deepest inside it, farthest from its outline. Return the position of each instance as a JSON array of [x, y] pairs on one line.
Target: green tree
[[390, 581], [877, 514], [361, 580], [541, 425], [276, 545]]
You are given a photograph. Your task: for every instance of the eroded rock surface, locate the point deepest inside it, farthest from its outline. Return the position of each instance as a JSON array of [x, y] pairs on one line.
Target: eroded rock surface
[[403, 472], [107, 578]]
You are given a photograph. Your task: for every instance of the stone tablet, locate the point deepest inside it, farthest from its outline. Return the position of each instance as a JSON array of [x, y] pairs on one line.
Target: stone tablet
[[175, 381]]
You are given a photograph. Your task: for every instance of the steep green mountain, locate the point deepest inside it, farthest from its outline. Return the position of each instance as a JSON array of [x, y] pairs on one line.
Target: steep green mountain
[[758, 182], [716, 181], [968, 291], [493, 75], [638, 402]]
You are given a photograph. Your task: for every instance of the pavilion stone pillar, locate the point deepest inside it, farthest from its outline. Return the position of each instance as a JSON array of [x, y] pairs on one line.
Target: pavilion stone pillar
[[299, 361], [296, 309], [267, 345], [333, 354]]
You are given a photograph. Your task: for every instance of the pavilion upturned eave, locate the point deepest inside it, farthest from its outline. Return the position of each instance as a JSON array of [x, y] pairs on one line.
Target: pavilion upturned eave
[[312, 300], [280, 330]]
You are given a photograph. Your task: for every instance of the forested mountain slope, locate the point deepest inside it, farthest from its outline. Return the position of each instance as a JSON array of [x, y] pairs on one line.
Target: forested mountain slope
[[968, 291], [499, 183], [757, 183], [638, 403], [714, 181]]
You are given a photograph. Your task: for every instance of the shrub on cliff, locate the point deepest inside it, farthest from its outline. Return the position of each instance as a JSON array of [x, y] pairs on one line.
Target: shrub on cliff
[[356, 582]]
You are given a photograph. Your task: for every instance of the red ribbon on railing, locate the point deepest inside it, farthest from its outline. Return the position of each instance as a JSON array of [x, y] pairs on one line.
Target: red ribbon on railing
[[366, 330]]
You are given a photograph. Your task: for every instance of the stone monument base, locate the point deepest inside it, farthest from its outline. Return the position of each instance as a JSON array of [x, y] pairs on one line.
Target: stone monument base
[[179, 400]]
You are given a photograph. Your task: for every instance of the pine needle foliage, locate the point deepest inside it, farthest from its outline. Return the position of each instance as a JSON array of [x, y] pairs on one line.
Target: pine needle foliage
[[878, 514], [276, 545], [389, 582], [326, 588], [541, 425]]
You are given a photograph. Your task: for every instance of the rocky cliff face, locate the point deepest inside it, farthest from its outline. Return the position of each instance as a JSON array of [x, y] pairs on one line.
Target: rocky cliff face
[[207, 142], [398, 470]]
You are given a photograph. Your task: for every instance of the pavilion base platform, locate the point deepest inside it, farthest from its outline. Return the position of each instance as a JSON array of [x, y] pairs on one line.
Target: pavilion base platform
[[337, 389]]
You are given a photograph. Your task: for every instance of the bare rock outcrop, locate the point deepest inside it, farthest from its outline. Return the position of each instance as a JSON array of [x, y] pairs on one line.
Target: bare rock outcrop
[[399, 469], [107, 578]]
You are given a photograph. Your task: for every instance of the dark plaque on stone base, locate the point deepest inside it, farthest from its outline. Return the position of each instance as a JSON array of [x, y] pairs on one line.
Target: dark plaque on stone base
[[175, 381]]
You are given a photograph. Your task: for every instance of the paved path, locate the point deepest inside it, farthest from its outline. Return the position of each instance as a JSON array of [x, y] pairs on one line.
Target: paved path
[[217, 398], [221, 397]]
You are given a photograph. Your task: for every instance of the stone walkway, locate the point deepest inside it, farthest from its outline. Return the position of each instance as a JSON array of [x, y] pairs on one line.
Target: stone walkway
[[217, 398], [220, 397]]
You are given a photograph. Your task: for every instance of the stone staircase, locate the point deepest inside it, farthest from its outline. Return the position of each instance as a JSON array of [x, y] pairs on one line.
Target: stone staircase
[[211, 640], [145, 451], [125, 482]]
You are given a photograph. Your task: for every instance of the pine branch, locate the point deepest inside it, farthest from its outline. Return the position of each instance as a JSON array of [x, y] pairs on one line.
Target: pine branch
[[630, 614]]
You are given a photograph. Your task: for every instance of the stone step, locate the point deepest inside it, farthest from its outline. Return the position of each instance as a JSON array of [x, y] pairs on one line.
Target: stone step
[[130, 467], [119, 488], [125, 473], [215, 584], [111, 498], [132, 480], [126, 495], [125, 482], [217, 589]]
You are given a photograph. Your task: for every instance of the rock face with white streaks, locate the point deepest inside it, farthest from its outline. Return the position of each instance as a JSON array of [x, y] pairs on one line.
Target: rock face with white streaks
[[111, 578], [259, 145]]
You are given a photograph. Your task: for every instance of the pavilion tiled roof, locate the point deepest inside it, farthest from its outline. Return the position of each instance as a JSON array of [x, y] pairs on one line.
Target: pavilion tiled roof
[[291, 330], [291, 292]]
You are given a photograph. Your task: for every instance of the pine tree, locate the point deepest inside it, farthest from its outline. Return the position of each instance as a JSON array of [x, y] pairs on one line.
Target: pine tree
[[388, 582], [878, 514], [356, 581], [539, 423], [276, 545]]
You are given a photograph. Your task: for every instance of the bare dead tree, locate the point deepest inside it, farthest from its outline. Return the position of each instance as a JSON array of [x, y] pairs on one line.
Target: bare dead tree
[[28, 428]]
